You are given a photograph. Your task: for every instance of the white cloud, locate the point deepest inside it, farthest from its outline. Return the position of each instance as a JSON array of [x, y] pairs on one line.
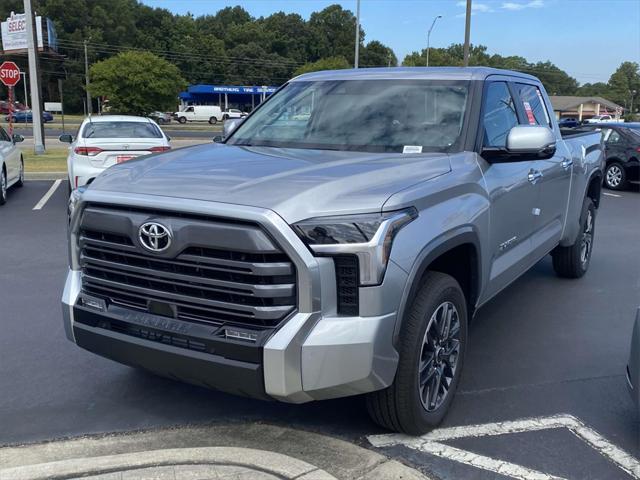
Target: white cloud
[[513, 6], [476, 7]]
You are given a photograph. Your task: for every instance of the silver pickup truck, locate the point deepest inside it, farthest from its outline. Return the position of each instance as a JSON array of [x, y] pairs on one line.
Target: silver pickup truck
[[338, 241]]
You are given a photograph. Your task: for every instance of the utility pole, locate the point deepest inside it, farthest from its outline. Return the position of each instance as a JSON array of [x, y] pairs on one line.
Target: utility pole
[[34, 80], [429, 36], [86, 79], [357, 60], [467, 34], [24, 84]]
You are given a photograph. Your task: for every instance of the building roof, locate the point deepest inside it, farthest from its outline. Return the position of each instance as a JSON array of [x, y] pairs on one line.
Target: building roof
[[562, 102]]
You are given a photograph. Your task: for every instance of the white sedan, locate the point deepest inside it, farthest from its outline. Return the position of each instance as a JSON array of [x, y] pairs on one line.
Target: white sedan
[[234, 113], [11, 164], [108, 140]]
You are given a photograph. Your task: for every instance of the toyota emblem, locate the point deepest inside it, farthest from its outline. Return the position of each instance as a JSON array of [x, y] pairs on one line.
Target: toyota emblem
[[155, 237]]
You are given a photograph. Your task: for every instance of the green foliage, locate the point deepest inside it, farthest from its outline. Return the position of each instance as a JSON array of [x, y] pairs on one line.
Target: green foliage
[[331, 63], [137, 83], [624, 82]]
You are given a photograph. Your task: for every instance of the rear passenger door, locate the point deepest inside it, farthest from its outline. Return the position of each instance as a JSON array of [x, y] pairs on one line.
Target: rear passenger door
[[512, 195], [555, 182], [11, 156]]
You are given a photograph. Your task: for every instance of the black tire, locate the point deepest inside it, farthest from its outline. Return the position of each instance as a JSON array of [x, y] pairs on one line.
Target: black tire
[[3, 186], [20, 182], [225, 117], [615, 177], [571, 261], [182, 120], [400, 407], [213, 120]]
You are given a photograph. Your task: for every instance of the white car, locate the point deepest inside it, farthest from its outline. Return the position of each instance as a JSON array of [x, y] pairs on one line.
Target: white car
[[601, 119], [11, 164], [105, 141], [234, 113], [200, 113]]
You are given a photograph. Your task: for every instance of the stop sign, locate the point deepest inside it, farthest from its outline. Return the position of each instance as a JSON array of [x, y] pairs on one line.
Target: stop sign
[[9, 74]]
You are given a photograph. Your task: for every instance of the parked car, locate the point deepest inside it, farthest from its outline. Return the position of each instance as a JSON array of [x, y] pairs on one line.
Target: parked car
[[622, 141], [569, 123], [600, 119], [11, 163], [103, 141], [200, 113], [161, 118], [234, 113], [300, 264], [4, 106], [26, 116], [633, 367]]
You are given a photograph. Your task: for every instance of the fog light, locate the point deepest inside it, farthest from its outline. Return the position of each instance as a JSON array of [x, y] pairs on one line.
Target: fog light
[[240, 335]]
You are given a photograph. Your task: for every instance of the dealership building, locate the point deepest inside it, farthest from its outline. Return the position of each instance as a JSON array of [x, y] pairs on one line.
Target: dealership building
[[225, 96]]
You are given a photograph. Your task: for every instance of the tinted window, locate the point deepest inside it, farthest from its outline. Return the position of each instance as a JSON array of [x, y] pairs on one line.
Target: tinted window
[[534, 107], [121, 130], [499, 115], [4, 136], [361, 115]]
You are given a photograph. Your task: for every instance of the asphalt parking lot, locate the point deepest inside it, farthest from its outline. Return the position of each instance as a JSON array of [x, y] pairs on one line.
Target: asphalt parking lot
[[545, 348]]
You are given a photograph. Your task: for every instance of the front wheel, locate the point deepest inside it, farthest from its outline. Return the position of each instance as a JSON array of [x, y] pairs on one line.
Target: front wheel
[[3, 187], [615, 178], [182, 120], [20, 182], [432, 343], [213, 120], [573, 261]]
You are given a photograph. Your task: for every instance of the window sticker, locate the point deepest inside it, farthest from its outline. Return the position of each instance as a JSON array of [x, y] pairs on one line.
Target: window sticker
[[412, 149], [530, 116]]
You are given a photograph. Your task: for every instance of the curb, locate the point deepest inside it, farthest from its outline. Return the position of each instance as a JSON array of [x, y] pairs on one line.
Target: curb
[[276, 464], [45, 175], [268, 448]]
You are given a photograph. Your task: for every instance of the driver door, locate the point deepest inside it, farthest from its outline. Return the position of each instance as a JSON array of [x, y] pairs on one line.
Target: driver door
[[513, 195]]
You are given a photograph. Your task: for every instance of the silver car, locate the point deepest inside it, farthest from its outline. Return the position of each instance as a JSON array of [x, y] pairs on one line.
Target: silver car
[[11, 163]]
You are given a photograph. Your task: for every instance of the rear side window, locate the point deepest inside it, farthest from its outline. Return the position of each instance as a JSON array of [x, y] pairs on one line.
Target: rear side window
[[533, 105], [499, 115], [4, 136], [121, 130]]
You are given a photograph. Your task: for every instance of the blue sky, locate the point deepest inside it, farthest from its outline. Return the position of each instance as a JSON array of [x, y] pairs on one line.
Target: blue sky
[[587, 38]]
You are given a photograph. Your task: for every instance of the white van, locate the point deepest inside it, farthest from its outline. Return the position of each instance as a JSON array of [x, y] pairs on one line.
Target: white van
[[200, 113]]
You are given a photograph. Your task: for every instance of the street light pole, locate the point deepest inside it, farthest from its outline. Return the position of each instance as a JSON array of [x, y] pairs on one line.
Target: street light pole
[[357, 55], [32, 53], [633, 94], [86, 79], [467, 34], [429, 36]]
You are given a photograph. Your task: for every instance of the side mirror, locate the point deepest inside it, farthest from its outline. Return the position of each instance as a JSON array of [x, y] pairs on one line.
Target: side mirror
[[66, 138], [525, 142], [230, 125], [17, 138], [218, 139]]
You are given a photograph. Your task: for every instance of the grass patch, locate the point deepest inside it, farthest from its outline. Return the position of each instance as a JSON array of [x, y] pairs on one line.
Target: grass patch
[[54, 160]]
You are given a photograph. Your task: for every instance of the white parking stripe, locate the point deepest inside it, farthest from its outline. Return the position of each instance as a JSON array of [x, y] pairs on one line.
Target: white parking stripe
[[431, 443], [612, 195], [45, 198]]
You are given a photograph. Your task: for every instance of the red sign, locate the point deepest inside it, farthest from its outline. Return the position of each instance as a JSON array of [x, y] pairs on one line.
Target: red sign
[[9, 74]]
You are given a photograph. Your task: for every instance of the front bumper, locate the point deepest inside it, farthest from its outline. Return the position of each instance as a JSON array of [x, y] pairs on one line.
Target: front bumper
[[315, 354]]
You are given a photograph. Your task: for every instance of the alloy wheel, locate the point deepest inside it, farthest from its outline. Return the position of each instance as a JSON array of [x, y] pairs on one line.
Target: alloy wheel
[[3, 185], [439, 356], [587, 238], [614, 176]]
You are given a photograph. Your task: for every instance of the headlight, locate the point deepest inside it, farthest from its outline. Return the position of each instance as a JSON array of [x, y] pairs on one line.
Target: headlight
[[369, 237]]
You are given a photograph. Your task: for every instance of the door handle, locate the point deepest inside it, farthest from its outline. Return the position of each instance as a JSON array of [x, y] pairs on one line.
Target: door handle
[[566, 163], [534, 176]]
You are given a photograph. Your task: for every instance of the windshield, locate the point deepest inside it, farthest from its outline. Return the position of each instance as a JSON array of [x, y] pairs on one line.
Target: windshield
[[362, 115], [121, 130]]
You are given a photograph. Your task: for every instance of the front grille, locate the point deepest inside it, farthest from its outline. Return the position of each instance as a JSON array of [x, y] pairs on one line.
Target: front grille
[[208, 283]]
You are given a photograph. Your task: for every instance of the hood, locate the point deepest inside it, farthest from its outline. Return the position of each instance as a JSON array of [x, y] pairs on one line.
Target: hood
[[295, 183]]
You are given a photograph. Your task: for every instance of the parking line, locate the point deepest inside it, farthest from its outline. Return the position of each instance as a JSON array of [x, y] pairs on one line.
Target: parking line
[[612, 195], [45, 198]]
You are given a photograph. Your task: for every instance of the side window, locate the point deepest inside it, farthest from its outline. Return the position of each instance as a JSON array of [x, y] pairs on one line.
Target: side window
[[189, 109], [533, 104], [4, 136], [614, 137], [499, 115]]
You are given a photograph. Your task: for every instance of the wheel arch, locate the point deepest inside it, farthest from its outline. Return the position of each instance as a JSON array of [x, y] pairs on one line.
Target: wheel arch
[[594, 188], [455, 253]]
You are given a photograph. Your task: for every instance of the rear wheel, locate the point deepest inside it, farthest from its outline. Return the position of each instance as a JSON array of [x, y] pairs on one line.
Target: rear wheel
[[573, 261], [615, 178], [213, 120], [182, 120], [431, 345]]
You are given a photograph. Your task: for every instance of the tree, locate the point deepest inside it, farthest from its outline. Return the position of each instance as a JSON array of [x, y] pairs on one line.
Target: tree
[[624, 81], [375, 54], [333, 32], [136, 82], [331, 63]]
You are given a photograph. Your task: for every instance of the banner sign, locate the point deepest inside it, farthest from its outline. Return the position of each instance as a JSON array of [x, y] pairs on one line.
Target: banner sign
[[14, 33]]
